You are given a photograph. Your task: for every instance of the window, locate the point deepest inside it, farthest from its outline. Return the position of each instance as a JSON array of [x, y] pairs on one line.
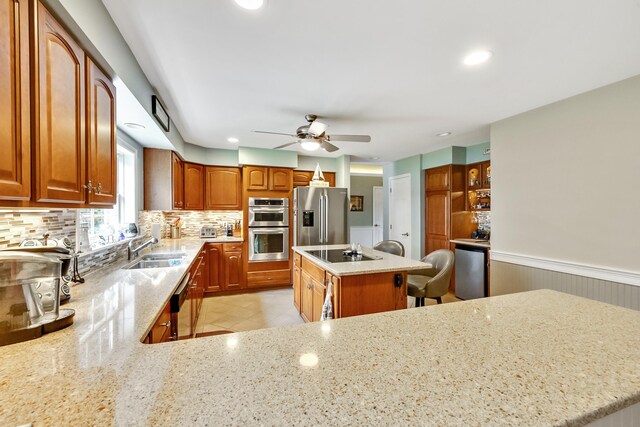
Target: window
[[100, 227]]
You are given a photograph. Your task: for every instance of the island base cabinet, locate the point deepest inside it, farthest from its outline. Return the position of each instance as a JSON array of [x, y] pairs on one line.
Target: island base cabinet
[[371, 293], [350, 295]]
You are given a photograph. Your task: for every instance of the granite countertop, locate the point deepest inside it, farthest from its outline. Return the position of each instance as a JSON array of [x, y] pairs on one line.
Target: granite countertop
[[472, 242], [534, 358], [385, 263]]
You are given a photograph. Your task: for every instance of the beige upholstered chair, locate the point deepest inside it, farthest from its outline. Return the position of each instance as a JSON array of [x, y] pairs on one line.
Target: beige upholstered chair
[[431, 282], [390, 246]]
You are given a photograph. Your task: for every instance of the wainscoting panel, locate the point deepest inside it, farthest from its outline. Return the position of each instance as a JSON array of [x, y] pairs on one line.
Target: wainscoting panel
[[507, 278]]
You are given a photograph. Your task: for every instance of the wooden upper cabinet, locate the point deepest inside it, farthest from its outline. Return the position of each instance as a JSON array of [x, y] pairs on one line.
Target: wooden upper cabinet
[[256, 177], [59, 122], [485, 168], [177, 167], [301, 178], [193, 186], [438, 179], [15, 170], [280, 179], [102, 150], [223, 188]]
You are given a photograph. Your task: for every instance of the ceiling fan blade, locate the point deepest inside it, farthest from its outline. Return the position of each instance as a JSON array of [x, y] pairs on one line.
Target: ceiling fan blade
[[317, 128], [328, 146], [352, 138], [285, 145], [275, 133]]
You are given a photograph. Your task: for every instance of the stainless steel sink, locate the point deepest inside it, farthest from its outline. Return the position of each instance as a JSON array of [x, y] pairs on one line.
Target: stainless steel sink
[[158, 261]]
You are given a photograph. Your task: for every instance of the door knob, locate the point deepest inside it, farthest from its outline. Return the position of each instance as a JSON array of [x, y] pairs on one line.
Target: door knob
[[376, 225], [405, 234]]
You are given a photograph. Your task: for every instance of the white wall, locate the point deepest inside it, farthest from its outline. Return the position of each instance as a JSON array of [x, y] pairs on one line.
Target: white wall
[[566, 180]]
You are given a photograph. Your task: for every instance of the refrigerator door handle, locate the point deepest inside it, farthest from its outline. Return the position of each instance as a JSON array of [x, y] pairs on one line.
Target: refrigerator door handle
[[326, 218], [322, 213]]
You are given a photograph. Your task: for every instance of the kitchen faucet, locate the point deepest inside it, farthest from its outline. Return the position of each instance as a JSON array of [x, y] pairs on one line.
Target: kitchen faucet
[[133, 253]]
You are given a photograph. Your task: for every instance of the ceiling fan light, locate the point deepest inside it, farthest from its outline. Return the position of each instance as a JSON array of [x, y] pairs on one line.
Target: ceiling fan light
[[310, 145], [250, 4]]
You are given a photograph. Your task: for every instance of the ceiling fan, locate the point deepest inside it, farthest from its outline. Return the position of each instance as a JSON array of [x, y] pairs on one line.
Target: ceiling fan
[[313, 136]]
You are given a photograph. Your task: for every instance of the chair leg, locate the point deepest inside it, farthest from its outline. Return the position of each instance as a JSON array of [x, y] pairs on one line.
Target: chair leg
[[439, 300], [417, 302]]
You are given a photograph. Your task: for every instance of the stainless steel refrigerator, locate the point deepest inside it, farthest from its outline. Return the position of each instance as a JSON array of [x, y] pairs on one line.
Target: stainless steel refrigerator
[[320, 216]]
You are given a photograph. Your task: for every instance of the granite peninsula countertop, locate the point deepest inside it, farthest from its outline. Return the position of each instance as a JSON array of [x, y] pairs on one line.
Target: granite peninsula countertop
[[534, 358], [384, 263]]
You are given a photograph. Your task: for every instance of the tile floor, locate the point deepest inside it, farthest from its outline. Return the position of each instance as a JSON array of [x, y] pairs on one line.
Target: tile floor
[[259, 310]]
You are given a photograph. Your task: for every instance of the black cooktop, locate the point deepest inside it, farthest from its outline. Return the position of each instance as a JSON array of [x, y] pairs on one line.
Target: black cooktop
[[338, 255]]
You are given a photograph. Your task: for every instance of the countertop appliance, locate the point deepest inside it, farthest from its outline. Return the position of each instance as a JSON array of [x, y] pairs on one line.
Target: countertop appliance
[[268, 212], [63, 254], [207, 232], [471, 272], [30, 296], [339, 255], [320, 216], [180, 306]]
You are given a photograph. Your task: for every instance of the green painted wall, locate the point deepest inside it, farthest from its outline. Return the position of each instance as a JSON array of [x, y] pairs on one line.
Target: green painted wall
[[412, 166], [437, 158], [363, 186], [328, 164], [475, 153], [267, 157], [210, 156]]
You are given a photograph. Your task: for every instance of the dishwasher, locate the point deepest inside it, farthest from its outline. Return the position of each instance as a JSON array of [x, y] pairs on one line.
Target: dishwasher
[[471, 272]]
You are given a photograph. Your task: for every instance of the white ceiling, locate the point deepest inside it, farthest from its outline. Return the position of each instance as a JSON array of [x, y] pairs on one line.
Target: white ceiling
[[391, 69]]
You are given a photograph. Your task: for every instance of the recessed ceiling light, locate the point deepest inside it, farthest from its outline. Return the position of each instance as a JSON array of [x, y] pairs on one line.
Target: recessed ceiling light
[[134, 125], [250, 4], [477, 57], [233, 140], [444, 134]]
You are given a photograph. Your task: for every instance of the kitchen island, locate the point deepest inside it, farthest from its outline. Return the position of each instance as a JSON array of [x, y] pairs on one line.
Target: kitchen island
[[536, 358], [371, 283]]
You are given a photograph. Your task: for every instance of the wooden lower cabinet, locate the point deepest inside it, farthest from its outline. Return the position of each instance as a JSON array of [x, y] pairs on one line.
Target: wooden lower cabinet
[[225, 267], [214, 260], [351, 295], [297, 280], [233, 270], [161, 329], [306, 296]]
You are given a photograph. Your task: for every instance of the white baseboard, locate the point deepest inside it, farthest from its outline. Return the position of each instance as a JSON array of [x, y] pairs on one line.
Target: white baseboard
[[594, 272]]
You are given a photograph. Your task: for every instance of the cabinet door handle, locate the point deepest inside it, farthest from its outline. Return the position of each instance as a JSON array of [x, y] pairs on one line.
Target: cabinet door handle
[[308, 285], [88, 186], [99, 188], [166, 324]]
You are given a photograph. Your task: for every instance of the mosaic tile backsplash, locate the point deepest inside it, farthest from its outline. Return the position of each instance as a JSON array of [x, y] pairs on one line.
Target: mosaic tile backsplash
[[19, 225], [193, 220]]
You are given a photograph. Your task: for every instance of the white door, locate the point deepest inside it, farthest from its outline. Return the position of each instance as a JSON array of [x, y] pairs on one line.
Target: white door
[[377, 214], [400, 211]]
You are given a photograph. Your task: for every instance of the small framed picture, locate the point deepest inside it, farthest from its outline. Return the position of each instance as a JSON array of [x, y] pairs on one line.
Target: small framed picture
[[160, 113], [357, 203]]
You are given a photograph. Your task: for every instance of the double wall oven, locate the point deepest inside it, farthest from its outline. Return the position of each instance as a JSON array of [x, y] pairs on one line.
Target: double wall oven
[[268, 229]]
